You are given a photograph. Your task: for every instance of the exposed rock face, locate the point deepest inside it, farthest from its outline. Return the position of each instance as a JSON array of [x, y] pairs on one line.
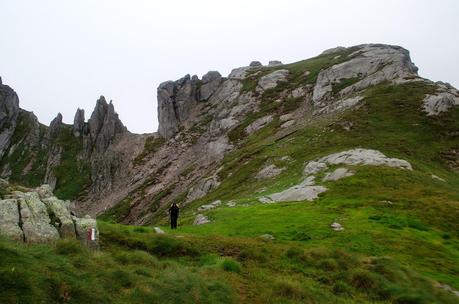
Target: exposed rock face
[[35, 219], [104, 125], [175, 101], [203, 187], [364, 157], [9, 111], [442, 102], [239, 73], [372, 64], [334, 50], [258, 124], [339, 173], [270, 81], [9, 219], [298, 193], [210, 82], [79, 123], [38, 216], [55, 126]]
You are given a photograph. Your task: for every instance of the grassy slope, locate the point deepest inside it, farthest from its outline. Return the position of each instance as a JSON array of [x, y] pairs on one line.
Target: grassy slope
[[419, 229]]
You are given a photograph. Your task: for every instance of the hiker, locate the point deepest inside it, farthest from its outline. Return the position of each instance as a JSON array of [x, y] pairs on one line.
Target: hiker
[[174, 212]]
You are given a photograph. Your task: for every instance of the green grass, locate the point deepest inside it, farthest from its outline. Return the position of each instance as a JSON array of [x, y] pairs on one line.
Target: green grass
[[66, 272]]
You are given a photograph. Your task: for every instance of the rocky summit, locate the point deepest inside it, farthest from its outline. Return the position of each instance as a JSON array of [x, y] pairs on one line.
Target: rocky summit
[[329, 180]]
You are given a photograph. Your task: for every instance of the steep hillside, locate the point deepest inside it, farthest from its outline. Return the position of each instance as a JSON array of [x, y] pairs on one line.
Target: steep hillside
[[329, 180]]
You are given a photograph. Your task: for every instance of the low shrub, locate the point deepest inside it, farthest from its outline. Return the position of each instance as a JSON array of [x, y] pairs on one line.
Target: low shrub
[[230, 265]]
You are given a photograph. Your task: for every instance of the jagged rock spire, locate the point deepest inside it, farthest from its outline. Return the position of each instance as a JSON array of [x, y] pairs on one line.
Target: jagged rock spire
[[78, 123], [55, 126], [104, 125]]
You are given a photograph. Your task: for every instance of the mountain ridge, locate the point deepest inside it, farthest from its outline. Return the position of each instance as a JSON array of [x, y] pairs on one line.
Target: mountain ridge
[[212, 114]]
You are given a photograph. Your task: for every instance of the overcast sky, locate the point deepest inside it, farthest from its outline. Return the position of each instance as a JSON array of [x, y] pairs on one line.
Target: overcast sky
[[60, 55]]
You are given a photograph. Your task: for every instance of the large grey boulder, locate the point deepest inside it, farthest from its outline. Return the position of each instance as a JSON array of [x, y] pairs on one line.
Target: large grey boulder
[[9, 219], [298, 193], [372, 64], [35, 219], [272, 79], [61, 218], [38, 216], [210, 83], [365, 157], [87, 231]]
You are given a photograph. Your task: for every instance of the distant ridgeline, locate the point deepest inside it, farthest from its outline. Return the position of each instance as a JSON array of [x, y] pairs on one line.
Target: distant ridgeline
[[209, 129]]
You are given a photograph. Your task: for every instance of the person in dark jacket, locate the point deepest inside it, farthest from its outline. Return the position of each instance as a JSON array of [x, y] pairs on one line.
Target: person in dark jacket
[[174, 213]]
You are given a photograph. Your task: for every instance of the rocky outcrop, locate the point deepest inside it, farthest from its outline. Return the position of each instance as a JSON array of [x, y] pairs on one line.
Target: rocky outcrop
[[175, 101], [308, 190], [271, 80], [9, 111], [37, 216], [362, 157], [339, 173], [258, 124], [202, 187], [369, 65], [79, 123], [55, 126], [104, 125], [439, 103], [210, 82]]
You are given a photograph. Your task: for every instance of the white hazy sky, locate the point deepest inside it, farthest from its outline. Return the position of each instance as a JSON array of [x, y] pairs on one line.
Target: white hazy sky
[[60, 55]]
